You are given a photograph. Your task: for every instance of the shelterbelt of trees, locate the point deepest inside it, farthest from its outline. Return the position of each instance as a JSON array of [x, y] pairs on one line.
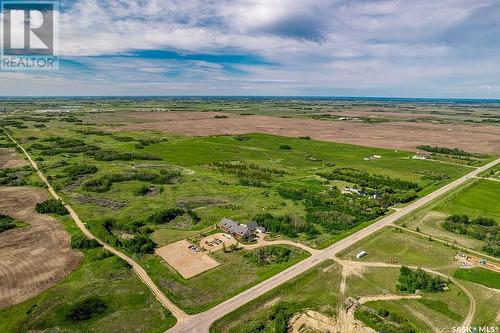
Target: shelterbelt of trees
[[330, 210], [482, 228]]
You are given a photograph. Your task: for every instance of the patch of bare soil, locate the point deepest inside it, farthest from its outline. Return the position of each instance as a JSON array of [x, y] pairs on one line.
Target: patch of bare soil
[[33, 258], [10, 159], [200, 203], [103, 202], [185, 260], [312, 321], [392, 135], [152, 191]]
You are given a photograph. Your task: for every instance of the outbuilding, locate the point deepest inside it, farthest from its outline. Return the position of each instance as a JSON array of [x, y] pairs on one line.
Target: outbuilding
[[361, 254]]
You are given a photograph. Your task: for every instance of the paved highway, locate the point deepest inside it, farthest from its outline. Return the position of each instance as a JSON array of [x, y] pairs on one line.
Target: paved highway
[[201, 323]]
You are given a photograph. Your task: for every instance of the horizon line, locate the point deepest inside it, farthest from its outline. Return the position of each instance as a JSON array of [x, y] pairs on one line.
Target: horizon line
[[251, 96]]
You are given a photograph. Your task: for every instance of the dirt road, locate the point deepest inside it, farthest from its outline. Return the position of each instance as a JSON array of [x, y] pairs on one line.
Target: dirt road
[[472, 306], [178, 313], [203, 321]]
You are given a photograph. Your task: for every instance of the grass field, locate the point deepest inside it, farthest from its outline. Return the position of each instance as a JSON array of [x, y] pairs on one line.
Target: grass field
[[404, 249], [316, 289], [443, 308], [372, 281], [479, 275], [201, 292], [486, 304], [215, 195], [211, 193], [476, 198], [129, 302]]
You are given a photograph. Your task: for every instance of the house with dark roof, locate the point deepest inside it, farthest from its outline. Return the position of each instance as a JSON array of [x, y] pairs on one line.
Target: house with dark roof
[[238, 230]]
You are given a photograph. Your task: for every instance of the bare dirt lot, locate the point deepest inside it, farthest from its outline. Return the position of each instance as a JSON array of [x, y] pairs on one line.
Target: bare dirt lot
[[184, 260], [10, 159], [393, 135], [33, 258], [216, 242]]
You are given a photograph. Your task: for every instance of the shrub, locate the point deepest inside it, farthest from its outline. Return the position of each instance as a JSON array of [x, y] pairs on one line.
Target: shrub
[[51, 206], [269, 255], [82, 242], [143, 190], [6, 223], [141, 244], [87, 309], [285, 147], [79, 170], [448, 151], [411, 281], [165, 216], [194, 216], [241, 138], [112, 155], [286, 225]]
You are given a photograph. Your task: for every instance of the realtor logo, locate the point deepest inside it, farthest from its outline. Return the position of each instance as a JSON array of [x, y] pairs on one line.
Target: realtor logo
[[29, 36]]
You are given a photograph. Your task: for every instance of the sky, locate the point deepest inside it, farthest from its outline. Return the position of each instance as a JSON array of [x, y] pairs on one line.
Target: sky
[[387, 48]]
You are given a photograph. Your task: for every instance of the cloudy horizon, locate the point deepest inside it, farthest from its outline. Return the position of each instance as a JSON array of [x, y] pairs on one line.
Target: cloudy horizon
[[386, 48]]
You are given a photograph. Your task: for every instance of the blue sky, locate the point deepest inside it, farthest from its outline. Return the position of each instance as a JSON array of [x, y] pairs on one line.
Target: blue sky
[[405, 48]]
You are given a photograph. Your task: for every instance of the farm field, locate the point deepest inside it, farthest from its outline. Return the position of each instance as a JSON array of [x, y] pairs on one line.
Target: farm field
[[35, 257], [102, 277], [140, 189], [211, 193], [479, 198], [143, 190], [391, 135]]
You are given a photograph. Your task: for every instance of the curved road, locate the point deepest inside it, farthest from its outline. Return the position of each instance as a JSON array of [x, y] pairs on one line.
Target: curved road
[[472, 306], [160, 296], [201, 323]]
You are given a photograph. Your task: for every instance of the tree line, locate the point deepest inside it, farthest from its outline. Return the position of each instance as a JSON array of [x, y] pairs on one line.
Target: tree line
[[481, 228]]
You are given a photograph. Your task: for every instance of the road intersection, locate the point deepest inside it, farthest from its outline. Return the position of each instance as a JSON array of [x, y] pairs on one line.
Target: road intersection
[[200, 323]]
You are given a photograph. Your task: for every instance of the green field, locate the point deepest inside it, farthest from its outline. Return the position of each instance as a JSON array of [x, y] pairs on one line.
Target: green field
[[477, 198], [102, 275], [403, 248], [212, 193], [234, 275], [105, 175], [318, 290], [479, 275]]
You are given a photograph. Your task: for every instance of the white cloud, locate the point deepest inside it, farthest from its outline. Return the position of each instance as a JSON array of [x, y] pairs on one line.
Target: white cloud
[[330, 44]]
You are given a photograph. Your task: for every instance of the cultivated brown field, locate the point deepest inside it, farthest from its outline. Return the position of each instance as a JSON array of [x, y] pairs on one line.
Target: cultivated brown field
[[10, 159], [33, 258], [392, 135]]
